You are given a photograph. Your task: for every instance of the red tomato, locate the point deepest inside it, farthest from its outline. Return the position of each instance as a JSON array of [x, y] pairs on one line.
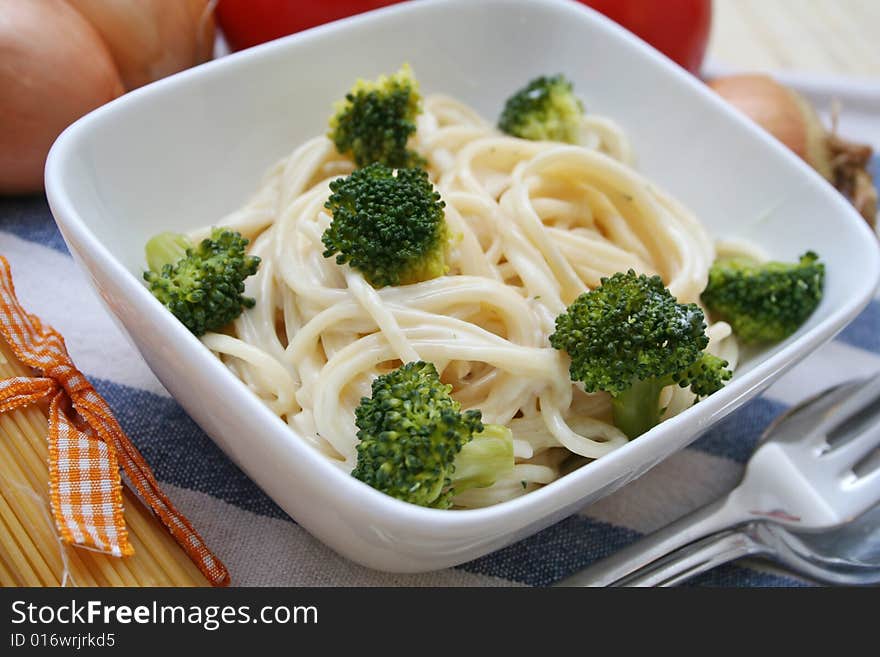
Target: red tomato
[[677, 28], [246, 23]]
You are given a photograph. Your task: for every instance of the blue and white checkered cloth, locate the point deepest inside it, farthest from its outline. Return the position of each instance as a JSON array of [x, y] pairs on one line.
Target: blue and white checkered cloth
[[262, 546]]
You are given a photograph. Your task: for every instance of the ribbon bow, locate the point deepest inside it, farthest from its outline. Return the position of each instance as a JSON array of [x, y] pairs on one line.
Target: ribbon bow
[[86, 445]]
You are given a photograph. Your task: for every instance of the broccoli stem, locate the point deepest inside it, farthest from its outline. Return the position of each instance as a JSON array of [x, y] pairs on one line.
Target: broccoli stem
[[637, 409], [166, 249], [484, 459]]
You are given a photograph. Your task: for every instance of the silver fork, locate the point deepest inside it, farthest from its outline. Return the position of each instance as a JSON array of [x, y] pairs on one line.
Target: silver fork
[[848, 554], [816, 467]]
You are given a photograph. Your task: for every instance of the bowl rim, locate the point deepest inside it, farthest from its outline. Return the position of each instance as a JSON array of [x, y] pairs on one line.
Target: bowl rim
[[538, 503]]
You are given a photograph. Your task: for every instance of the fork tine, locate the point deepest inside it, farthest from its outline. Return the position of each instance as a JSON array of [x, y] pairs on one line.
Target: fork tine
[[859, 409], [848, 452], [867, 488], [868, 464]]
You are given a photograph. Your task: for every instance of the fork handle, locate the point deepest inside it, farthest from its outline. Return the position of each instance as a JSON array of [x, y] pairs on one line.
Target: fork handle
[[696, 558], [706, 520]]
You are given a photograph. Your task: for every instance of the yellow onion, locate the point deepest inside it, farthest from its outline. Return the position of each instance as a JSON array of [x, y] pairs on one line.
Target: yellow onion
[[788, 116], [150, 39], [781, 112], [54, 68]]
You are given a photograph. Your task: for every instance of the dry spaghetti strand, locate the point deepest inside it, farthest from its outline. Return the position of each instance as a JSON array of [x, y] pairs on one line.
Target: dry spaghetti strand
[[23, 475], [84, 447]]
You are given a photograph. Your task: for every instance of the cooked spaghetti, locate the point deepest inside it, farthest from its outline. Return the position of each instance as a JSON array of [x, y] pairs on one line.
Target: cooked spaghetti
[[535, 224]]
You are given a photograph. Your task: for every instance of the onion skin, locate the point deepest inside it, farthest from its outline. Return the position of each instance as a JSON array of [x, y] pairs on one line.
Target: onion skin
[[202, 13], [782, 113], [788, 116], [54, 68], [150, 39]]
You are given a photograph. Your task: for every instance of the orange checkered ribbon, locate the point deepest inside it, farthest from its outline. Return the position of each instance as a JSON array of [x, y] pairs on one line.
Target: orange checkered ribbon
[[86, 445]]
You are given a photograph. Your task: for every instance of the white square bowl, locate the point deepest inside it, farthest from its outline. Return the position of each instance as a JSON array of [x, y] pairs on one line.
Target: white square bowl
[[186, 150]]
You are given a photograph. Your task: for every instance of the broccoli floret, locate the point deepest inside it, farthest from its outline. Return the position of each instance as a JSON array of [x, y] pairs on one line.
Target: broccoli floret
[[631, 338], [376, 119], [418, 446], [707, 375], [387, 224], [201, 284], [545, 109], [764, 302]]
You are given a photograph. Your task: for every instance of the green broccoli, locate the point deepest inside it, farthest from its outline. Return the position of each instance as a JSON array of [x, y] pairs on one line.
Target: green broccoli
[[545, 109], [387, 224], [631, 338], [764, 302], [418, 446], [376, 119], [201, 284]]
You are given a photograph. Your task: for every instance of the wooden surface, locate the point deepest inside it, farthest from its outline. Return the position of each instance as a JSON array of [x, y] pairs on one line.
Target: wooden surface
[[828, 37]]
